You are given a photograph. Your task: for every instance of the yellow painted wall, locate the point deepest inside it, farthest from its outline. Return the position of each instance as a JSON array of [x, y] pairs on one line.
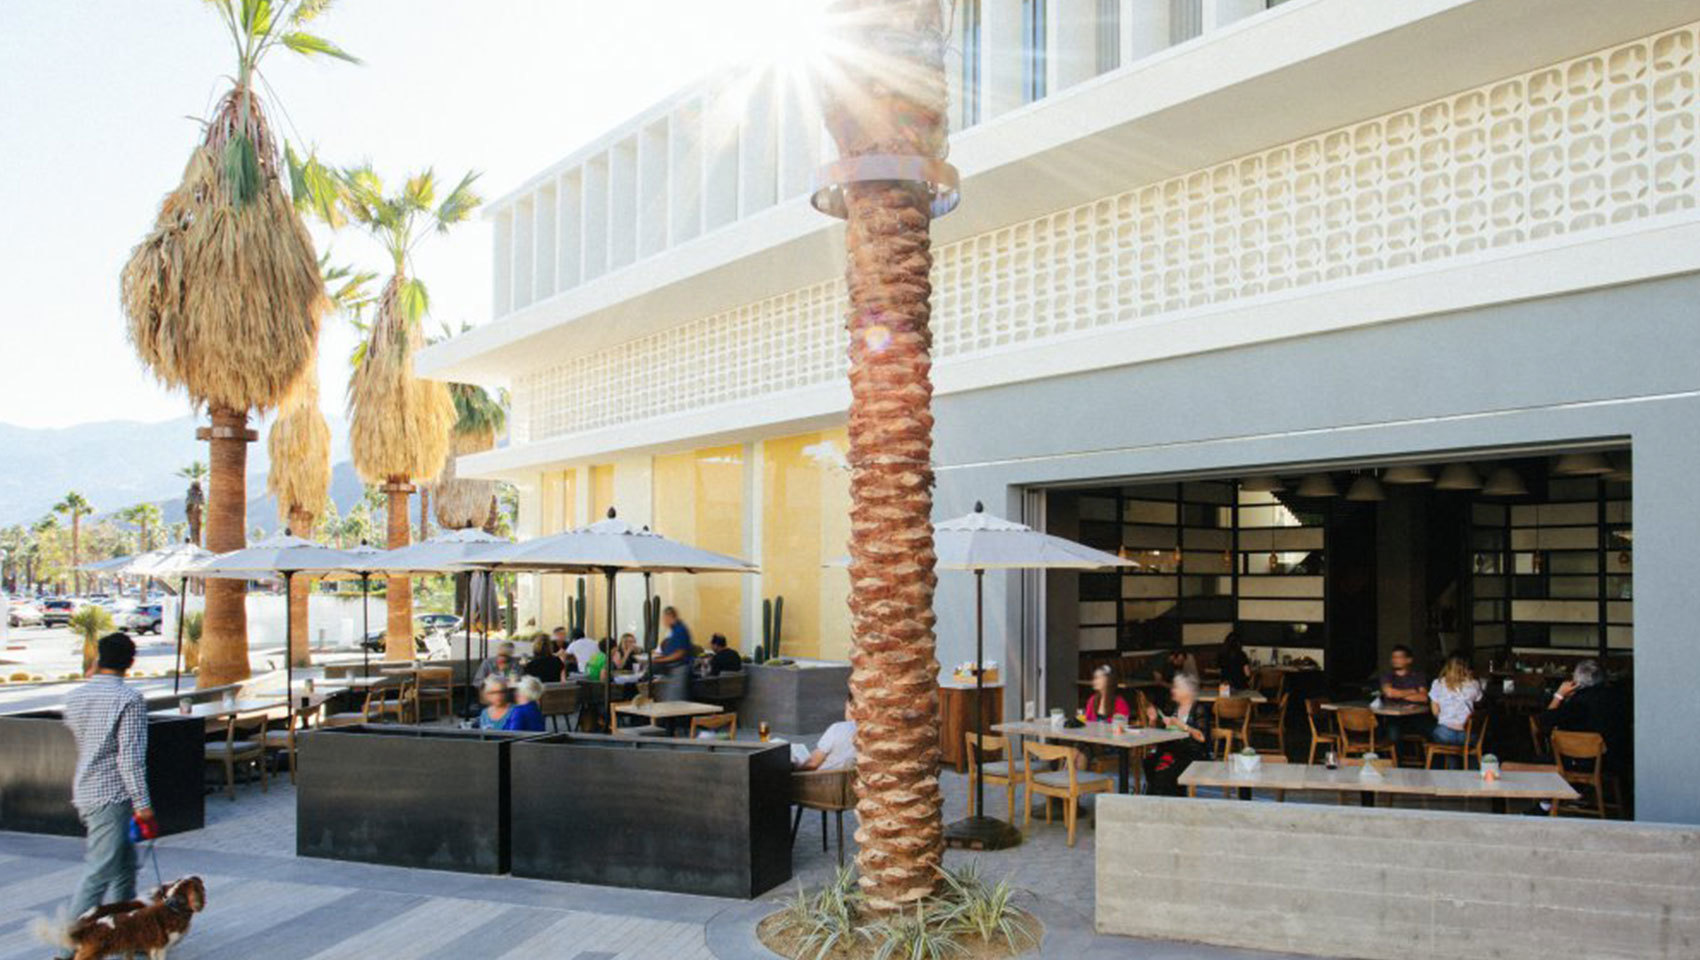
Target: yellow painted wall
[[601, 498], [805, 525], [558, 513], [698, 498]]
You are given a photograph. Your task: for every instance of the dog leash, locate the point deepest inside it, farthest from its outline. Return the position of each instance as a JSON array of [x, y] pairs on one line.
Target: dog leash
[[153, 855]]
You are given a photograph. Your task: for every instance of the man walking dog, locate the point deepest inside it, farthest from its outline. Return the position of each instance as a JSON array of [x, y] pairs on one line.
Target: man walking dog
[[110, 722]]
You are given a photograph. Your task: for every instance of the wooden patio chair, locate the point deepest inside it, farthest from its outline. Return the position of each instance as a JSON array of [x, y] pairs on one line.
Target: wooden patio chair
[[1359, 733], [1475, 733], [829, 791], [1233, 721], [1068, 784], [1272, 721], [436, 687], [720, 721], [1320, 736], [1511, 767], [242, 744], [283, 741], [1005, 772], [1581, 761]]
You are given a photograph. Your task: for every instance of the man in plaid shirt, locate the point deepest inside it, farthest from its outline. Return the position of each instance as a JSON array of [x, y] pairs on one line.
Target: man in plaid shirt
[[110, 722]]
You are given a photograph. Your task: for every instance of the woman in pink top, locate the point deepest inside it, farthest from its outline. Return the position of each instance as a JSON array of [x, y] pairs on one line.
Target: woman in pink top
[[1106, 701]]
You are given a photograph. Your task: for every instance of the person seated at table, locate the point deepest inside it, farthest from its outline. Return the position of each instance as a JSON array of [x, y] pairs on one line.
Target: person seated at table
[[1452, 698], [1402, 683], [725, 659], [500, 665], [596, 663], [582, 649], [626, 653], [1174, 663], [1106, 701], [1236, 666], [544, 665], [527, 711], [1586, 703], [1167, 761], [498, 712], [836, 748]]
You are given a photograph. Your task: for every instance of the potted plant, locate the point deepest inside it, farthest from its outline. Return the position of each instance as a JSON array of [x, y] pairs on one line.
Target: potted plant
[[1369, 770], [1247, 760], [1490, 767]]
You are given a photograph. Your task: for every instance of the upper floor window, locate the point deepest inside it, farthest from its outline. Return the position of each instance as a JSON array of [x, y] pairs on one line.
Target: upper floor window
[[1033, 44], [1109, 37], [969, 32]]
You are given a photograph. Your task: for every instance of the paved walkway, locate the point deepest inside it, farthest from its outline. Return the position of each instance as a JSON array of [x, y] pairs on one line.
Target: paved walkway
[[267, 904]]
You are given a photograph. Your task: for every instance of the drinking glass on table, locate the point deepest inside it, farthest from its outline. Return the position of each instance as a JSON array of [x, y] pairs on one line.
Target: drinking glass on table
[[763, 731]]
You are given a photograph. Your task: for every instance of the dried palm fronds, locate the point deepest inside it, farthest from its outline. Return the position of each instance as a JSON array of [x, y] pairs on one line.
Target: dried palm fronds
[[300, 448], [399, 424]]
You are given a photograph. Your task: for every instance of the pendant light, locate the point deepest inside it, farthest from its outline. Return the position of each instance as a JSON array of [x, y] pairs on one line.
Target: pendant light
[[1366, 489], [1319, 486], [1505, 482], [1458, 476], [1581, 465], [1407, 475], [1264, 484]]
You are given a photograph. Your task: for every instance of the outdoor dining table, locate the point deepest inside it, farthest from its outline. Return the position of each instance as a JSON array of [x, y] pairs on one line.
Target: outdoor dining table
[[668, 709], [1446, 784], [1213, 694], [1396, 708], [1098, 733], [219, 710]]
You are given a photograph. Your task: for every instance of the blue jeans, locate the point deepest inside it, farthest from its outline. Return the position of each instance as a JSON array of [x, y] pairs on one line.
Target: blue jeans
[[109, 859], [1450, 737]]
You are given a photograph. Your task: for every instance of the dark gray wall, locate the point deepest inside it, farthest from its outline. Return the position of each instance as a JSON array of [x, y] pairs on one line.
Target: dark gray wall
[[1613, 363]]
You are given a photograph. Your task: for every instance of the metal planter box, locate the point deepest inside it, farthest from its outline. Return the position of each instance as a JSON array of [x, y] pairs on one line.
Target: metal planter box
[[431, 797], [684, 816], [38, 762], [798, 700]]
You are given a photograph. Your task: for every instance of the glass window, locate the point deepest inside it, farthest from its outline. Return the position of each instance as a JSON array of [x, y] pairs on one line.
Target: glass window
[[969, 31], [1034, 41], [1109, 35]]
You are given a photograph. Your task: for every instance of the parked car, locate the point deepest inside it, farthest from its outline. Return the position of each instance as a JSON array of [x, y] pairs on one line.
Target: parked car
[[57, 613], [145, 618], [23, 613], [445, 622]]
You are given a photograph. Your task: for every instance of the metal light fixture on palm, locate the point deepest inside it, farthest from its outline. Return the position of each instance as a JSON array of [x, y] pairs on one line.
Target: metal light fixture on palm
[[976, 543], [1407, 475], [1458, 476]]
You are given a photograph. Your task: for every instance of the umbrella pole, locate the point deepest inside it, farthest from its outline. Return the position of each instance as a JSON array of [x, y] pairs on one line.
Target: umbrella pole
[[651, 633], [365, 623], [182, 614], [980, 832], [608, 657], [288, 646], [466, 651]]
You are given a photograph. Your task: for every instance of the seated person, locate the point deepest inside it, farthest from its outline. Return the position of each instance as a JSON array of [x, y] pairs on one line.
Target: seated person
[[498, 712], [1167, 761], [1401, 683], [544, 665], [836, 749], [527, 714], [724, 660], [1452, 698], [1236, 666], [500, 665], [626, 654], [1106, 701], [597, 663], [1587, 704], [1176, 662], [582, 649]]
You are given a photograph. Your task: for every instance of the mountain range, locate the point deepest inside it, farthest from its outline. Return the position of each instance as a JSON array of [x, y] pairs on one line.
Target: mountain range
[[119, 463]]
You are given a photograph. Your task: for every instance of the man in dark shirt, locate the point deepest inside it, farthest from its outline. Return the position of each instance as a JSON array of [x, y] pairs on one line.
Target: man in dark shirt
[[724, 660], [673, 662], [1587, 704], [1403, 683]]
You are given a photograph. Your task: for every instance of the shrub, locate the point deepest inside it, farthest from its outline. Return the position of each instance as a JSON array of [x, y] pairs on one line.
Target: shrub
[[91, 623]]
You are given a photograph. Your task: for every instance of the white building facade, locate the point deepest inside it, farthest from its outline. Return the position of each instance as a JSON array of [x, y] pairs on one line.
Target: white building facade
[[1199, 241]]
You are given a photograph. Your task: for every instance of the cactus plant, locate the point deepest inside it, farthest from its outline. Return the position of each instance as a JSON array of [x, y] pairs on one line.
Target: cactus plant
[[772, 625], [575, 613]]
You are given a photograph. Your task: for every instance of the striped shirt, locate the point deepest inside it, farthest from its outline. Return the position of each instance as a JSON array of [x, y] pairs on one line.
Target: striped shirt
[[109, 719]]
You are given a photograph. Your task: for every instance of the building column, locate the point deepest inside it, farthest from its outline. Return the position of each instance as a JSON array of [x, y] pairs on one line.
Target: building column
[[754, 507]]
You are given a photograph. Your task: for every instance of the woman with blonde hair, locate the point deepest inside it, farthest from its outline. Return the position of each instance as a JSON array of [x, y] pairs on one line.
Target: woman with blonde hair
[[1452, 698]]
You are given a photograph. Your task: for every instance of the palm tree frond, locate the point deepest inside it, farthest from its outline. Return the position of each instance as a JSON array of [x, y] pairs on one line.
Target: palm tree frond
[[420, 191], [413, 300], [313, 45], [459, 204]]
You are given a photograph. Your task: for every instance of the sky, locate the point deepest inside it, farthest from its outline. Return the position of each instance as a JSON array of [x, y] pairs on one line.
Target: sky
[[99, 108]]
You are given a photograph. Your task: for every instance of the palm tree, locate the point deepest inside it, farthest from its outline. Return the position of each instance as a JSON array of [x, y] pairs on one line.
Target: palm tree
[[299, 478], [146, 518], [887, 96], [479, 419], [224, 295], [399, 425], [195, 498], [76, 507]]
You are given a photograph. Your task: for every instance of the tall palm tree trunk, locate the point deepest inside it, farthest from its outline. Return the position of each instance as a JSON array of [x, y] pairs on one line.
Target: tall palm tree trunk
[[398, 634], [424, 512], [76, 552], [224, 635], [300, 586]]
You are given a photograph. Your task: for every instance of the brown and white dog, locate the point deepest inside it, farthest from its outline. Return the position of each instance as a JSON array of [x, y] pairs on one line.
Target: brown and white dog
[[132, 928]]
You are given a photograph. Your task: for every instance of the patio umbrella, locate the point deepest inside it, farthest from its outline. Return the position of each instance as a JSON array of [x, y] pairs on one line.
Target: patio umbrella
[[282, 555], [361, 558], [163, 564], [979, 542], [448, 552], [609, 547]]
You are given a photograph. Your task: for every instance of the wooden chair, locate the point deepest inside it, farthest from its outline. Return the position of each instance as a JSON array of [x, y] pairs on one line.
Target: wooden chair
[[1233, 719], [720, 721], [435, 687], [283, 741], [1509, 767], [559, 704], [243, 743], [1270, 681], [369, 705], [1272, 721], [1475, 734], [1581, 762], [1538, 737], [400, 701], [1358, 733], [1067, 784], [1006, 772], [829, 791], [1319, 736]]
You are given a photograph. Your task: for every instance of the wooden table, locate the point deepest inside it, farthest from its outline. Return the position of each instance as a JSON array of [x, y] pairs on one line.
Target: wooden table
[[1213, 694], [1388, 708], [956, 717], [219, 710], [355, 683], [1098, 733], [668, 709], [1447, 784]]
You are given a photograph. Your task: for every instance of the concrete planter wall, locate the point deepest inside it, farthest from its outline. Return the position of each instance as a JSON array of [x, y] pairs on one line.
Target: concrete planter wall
[[38, 762], [684, 816], [406, 796], [794, 700]]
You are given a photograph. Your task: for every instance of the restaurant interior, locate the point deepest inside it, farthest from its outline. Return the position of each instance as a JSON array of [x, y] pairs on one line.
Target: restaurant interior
[[1522, 561]]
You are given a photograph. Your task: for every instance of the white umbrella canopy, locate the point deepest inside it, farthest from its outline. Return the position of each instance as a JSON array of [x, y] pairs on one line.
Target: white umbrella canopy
[[449, 552], [167, 562], [111, 565], [274, 556], [608, 545], [980, 541]]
